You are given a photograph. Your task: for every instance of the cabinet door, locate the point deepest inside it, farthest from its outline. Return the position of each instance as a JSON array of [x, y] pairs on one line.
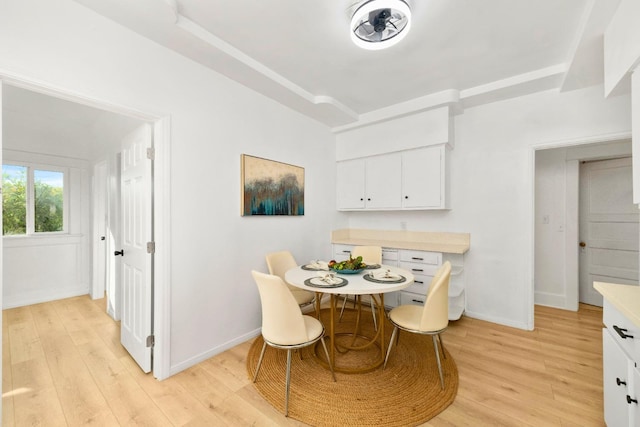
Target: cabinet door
[[423, 178], [615, 381], [634, 394], [383, 183], [350, 184]]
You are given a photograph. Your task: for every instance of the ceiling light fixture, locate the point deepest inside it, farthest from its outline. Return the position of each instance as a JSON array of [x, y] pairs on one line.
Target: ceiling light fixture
[[379, 24]]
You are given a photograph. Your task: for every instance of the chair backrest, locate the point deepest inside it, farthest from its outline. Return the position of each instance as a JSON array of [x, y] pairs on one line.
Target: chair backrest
[[279, 262], [435, 315], [369, 254], [282, 320]]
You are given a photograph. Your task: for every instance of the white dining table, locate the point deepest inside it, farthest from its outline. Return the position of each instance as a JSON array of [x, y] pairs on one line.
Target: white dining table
[[356, 285]]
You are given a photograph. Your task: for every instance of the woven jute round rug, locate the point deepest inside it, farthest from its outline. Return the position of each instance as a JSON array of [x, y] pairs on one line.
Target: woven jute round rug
[[406, 393]]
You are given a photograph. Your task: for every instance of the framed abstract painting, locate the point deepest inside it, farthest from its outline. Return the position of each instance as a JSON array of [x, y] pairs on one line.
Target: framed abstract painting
[[270, 187]]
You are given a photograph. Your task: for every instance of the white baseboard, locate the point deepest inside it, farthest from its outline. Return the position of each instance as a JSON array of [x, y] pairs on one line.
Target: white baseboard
[[498, 320], [174, 369], [551, 300], [13, 301]]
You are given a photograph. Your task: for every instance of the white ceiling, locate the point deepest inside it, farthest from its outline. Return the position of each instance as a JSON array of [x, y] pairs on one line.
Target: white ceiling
[[40, 123], [459, 52]]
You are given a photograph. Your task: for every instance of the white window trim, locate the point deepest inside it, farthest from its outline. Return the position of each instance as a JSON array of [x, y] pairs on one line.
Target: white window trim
[[31, 167]]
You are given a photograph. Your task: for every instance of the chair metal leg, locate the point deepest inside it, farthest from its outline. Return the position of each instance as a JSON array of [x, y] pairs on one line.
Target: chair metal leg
[[393, 335], [373, 313], [286, 387], [255, 376], [435, 347], [344, 303], [326, 352], [442, 346]]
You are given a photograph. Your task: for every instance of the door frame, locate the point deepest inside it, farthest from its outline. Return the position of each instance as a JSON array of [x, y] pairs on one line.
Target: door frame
[[571, 233], [161, 123]]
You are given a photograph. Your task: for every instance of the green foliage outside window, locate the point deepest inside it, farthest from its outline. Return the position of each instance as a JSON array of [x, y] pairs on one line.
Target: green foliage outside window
[[48, 200], [14, 200]]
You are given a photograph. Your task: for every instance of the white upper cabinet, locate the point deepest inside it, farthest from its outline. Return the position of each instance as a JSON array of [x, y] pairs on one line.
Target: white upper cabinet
[[411, 179], [382, 183], [423, 178], [350, 184]]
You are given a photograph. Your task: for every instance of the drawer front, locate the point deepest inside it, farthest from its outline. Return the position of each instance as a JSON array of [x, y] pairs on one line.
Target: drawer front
[[413, 299], [341, 252], [433, 258], [420, 284], [423, 274], [623, 330], [389, 254], [616, 381]]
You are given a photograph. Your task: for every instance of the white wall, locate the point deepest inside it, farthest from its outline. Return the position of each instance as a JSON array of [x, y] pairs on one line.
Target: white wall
[[556, 249], [621, 46], [492, 191], [214, 303], [48, 267]]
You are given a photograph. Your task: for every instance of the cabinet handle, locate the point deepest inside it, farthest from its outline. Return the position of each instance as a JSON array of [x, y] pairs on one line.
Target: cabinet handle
[[418, 281], [620, 382], [630, 400], [361, 199], [120, 252], [368, 199], [417, 258], [422, 302], [346, 252], [621, 332], [406, 197], [417, 269]]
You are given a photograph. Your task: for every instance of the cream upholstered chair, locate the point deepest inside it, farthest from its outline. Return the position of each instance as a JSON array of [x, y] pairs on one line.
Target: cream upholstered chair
[[284, 326], [370, 255], [278, 264], [431, 319]]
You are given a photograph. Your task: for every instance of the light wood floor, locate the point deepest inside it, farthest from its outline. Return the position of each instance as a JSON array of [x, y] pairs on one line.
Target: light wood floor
[[63, 366]]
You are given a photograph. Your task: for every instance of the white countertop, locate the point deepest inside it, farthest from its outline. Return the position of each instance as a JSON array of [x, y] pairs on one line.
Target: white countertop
[[625, 298], [452, 243]]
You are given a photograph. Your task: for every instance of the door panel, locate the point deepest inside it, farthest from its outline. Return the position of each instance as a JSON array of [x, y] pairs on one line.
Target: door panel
[[350, 184], [383, 184], [609, 230], [136, 324]]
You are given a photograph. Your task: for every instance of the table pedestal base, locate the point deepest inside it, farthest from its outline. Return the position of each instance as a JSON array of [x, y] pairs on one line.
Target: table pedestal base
[[358, 351]]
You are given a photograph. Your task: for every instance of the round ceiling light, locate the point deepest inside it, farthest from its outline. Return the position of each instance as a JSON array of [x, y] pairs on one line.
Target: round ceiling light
[[379, 24]]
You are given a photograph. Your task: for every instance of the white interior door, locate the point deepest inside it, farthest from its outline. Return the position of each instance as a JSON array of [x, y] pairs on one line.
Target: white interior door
[[609, 230], [136, 205]]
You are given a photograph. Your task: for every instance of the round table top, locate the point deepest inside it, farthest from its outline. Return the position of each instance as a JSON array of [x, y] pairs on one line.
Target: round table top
[[357, 285]]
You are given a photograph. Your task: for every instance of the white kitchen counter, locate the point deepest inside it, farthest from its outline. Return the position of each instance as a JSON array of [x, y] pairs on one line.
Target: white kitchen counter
[[449, 243], [626, 298]]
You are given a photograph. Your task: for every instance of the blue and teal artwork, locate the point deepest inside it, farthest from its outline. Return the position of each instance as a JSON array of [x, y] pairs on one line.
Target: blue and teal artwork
[[271, 188]]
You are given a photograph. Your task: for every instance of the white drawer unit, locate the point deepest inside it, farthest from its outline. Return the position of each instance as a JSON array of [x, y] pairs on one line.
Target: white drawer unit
[[423, 265], [341, 252], [423, 274], [390, 257], [621, 378]]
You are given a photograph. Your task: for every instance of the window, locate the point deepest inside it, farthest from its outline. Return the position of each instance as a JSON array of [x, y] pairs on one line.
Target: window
[[33, 200]]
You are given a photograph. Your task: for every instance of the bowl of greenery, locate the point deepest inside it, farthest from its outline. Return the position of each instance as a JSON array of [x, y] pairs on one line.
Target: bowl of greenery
[[349, 266]]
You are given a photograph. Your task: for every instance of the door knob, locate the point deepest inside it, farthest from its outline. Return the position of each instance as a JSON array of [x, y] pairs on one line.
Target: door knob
[[583, 244], [120, 252]]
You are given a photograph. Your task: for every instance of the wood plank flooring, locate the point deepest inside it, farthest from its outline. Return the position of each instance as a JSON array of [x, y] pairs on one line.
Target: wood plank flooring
[[63, 366]]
